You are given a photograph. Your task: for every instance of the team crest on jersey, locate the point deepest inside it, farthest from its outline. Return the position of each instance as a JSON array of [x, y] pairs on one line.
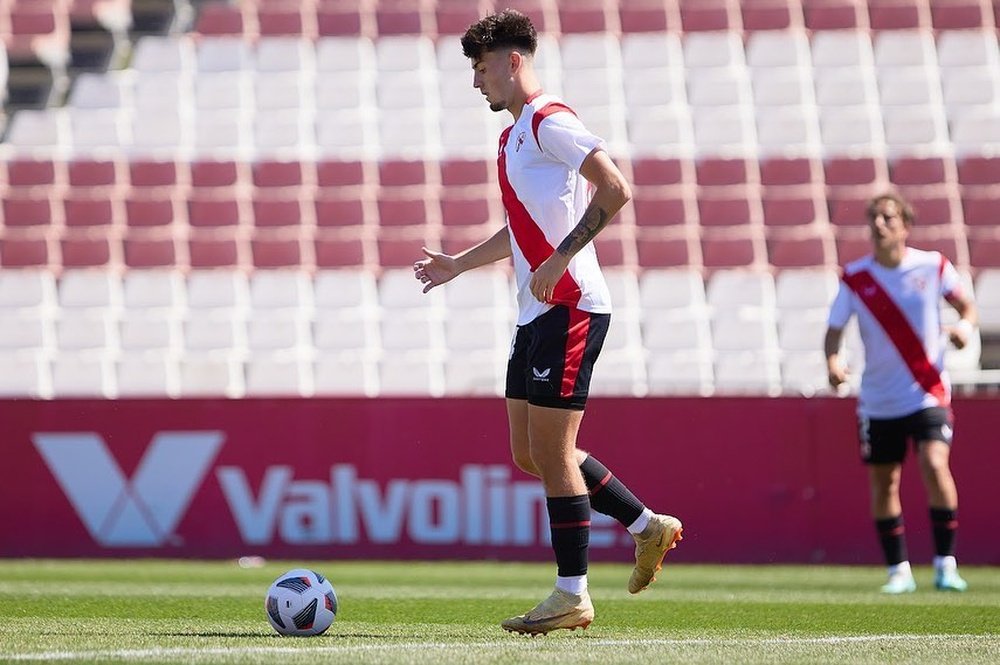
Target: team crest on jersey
[[520, 141], [916, 284]]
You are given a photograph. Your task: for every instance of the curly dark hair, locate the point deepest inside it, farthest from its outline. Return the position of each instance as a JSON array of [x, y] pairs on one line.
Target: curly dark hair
[[904, 207], [506, 29]]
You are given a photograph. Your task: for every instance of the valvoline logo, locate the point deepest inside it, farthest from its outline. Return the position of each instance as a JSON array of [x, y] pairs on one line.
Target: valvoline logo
[[141, 511]]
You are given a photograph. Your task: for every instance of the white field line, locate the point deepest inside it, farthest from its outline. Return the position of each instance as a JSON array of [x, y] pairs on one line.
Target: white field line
[[182, 652]]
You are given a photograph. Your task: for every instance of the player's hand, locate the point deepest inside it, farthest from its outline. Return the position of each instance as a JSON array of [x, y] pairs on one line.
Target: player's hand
[[435, 270], [958, 336], [547, 275], [836, 375]]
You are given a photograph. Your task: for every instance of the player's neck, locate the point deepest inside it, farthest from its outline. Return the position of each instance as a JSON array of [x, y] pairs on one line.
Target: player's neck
[[890, 257], [527, 88]]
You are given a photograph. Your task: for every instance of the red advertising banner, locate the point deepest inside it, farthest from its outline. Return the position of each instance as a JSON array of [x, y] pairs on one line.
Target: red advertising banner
[[755, 480]]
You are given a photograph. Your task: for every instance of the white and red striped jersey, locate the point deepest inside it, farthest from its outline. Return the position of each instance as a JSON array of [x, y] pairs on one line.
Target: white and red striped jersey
[[545, 197], [899, 316]]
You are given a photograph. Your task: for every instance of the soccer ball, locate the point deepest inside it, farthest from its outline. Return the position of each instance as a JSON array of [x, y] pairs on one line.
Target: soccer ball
[[301, 602]]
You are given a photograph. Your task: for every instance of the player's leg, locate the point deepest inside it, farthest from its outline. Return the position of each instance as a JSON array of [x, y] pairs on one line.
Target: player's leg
[[933, 453], [553, 346], [883, 447]]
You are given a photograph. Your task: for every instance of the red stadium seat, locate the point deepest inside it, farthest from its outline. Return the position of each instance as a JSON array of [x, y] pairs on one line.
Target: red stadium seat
[[400, 252], [219, 18], [615, 250], [210, 211], [852, 248], [342, 212], [920, 171], [790, 211], [268, 173], [287, 20], [848, 210], [276, 253], [342, 21], [797, 252], [211, 173], [840, 171], [767, 15], [341, 252], [982, 211], [459, 210], [25, 209], [456, 172], [144, 173], [399, 20], [779, 171], [897, 15], [722, 171], [150, 253], [88, 251], [985, 253], [211, 251], [402, 211], [727, 252], [654, 171], [664, 252], [337, 173], [727, 211], [150, 211], [28, 172], [277, 212], [699, 15], [455, 19], [959, 14], [93, 173], [640, 16], [832, 14], [583, 17], [933, 210], [654, 208], [83, 210], [23, 252], [979, 171], [398, 173]]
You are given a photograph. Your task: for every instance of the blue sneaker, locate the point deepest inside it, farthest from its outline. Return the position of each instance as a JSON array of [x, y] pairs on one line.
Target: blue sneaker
[[900, 583], [949, 580]]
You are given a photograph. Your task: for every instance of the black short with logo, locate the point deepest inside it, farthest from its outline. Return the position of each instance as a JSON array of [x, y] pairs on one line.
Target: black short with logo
[[883, 440], [552, 358]]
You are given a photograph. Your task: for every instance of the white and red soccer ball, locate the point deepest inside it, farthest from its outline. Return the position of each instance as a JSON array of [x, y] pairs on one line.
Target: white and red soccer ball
[[301, 602]]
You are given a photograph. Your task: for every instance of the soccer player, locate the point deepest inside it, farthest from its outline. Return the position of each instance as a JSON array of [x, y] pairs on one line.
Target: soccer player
[[559, 189], [905, 393]]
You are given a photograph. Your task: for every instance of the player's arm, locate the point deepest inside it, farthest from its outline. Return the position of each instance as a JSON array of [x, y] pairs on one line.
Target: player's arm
[[960, 333], [439, 268], [611, 192], [836, 374]]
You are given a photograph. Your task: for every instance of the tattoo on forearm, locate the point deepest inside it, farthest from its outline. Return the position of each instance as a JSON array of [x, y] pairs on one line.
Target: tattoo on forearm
[[593, 220]]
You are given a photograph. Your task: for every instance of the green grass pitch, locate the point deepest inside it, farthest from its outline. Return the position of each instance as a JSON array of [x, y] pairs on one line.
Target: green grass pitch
[[448, 612]]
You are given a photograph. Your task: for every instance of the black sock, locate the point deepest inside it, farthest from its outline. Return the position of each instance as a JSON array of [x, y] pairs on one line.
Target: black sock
[[607, 494], [569, 522], [944, 523], [890, 534]]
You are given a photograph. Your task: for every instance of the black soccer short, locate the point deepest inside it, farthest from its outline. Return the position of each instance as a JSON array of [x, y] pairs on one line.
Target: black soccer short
[[883, 441], [552, 357]]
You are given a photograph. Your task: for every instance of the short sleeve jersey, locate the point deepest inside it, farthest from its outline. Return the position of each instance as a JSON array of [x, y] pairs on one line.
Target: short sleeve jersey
[[899, 317], [544, 197]]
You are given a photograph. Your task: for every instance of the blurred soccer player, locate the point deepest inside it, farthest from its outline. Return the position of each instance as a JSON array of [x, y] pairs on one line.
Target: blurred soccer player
[[559, 189], [905, 393]]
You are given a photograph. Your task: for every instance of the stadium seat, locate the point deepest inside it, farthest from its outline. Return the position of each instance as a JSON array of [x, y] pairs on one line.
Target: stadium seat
[[411, 373], [28, 290], [730, 252], [26, 331], [25, 253], [25, 374], [212, 376], [33, 171], [679, 374], [346, 375], [90, 252], [343, 252], [673, 330], [799, 252], [28, 210], [147, 376], [805, 288], [680, 289], [666, 252], [835, 15], [480, 373], [76, 375], [747, 372], [347, 332], [277, 252], [150, 252]]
